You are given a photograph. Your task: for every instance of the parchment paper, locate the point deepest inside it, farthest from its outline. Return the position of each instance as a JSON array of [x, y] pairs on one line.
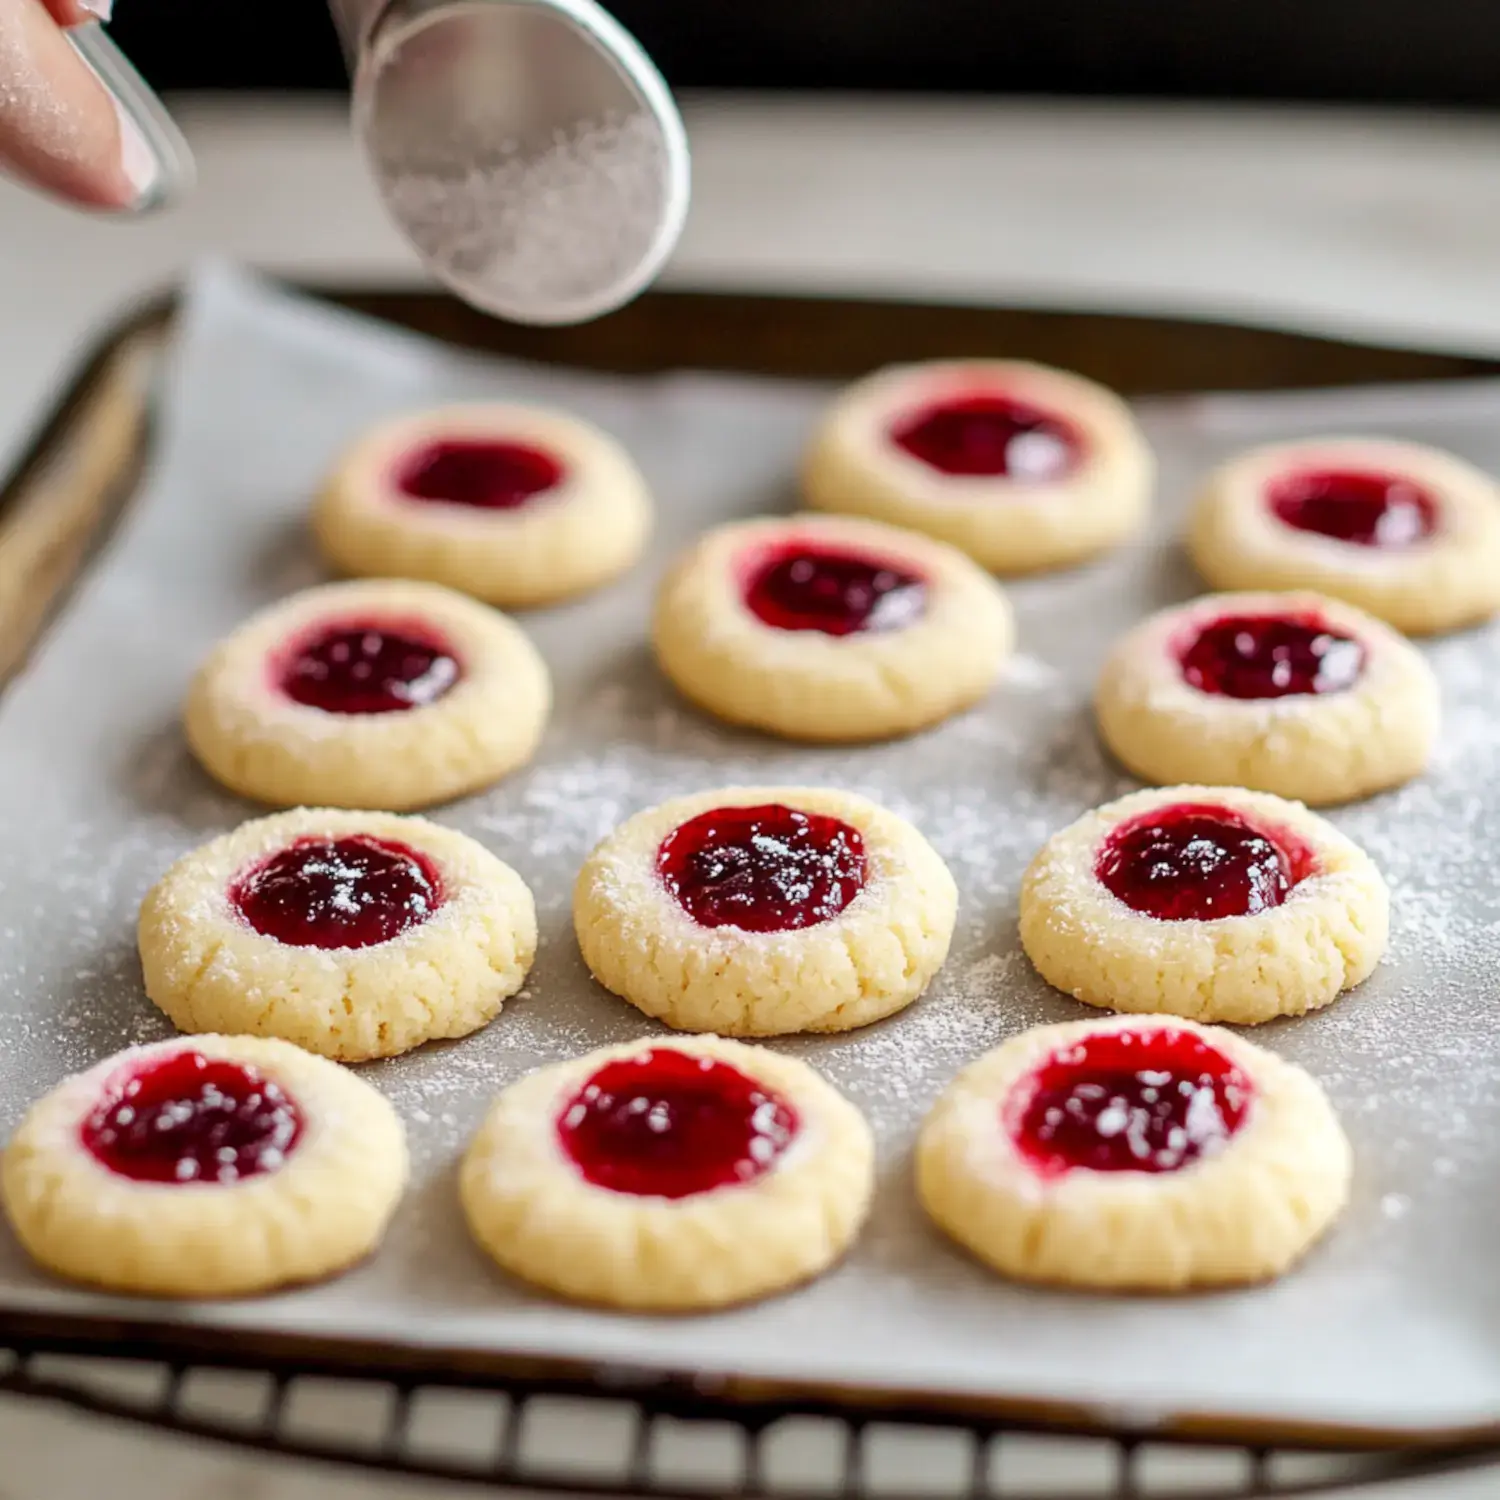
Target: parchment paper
[[1394, 1322]]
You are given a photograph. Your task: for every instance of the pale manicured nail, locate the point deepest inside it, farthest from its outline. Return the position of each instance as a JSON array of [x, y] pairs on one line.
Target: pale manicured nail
[[137, 159], [100, 9]]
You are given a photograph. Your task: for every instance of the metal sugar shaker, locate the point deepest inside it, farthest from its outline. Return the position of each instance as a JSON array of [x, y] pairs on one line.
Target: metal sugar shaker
[[528, 149]]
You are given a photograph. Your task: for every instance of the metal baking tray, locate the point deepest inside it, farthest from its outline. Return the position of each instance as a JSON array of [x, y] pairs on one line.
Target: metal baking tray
[[1389, 1334]]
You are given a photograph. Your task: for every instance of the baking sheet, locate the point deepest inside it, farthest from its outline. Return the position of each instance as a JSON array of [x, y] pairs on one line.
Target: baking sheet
[[1393, 1323]]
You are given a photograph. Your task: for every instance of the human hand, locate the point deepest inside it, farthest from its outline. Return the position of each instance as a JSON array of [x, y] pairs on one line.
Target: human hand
[[60, 130]]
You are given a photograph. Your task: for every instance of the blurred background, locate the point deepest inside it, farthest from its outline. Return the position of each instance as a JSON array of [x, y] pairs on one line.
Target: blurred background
[[1368, 51]]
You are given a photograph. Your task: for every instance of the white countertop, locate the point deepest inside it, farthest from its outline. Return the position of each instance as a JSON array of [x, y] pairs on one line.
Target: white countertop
[[1377, 224], [1368, 224]]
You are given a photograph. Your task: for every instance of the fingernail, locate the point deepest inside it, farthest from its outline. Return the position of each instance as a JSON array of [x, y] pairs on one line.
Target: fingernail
[[137, 159], [100, 9]]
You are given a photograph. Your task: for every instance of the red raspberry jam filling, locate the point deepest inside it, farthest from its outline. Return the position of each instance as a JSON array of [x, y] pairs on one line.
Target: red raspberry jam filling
[[489, 475], [1128, 1101], [665, 1124], [1270, 656], [190, 1118], [1197, 862], [992, 436], [368, 669], [1368, 510], [338, 893], [762, 869], [807, 586]]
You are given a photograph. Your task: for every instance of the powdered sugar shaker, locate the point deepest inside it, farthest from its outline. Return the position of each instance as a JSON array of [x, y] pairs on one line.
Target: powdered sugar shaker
[[528, 149]]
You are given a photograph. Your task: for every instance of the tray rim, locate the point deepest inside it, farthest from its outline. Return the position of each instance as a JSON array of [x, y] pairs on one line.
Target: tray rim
[[701, 1394]]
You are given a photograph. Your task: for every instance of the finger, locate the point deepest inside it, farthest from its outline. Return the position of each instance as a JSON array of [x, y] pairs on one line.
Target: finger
[[78, 12], [59, 128]]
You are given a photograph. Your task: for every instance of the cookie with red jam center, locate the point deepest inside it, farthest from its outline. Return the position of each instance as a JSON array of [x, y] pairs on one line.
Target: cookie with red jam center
[[356, 935], [1023, 468], [518, 506], [677, 1174], [216, 1167], [1295, 694], [1212, 903], [1406, 533], [828, 629], [381, 694], [765, 911], [1134, 1153]]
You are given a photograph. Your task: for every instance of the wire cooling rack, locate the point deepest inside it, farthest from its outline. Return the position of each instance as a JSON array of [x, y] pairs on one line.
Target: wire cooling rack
[[672, 1444]]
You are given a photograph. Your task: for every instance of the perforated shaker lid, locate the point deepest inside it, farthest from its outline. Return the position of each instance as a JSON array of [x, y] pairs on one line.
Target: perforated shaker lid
[[528, 149]]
